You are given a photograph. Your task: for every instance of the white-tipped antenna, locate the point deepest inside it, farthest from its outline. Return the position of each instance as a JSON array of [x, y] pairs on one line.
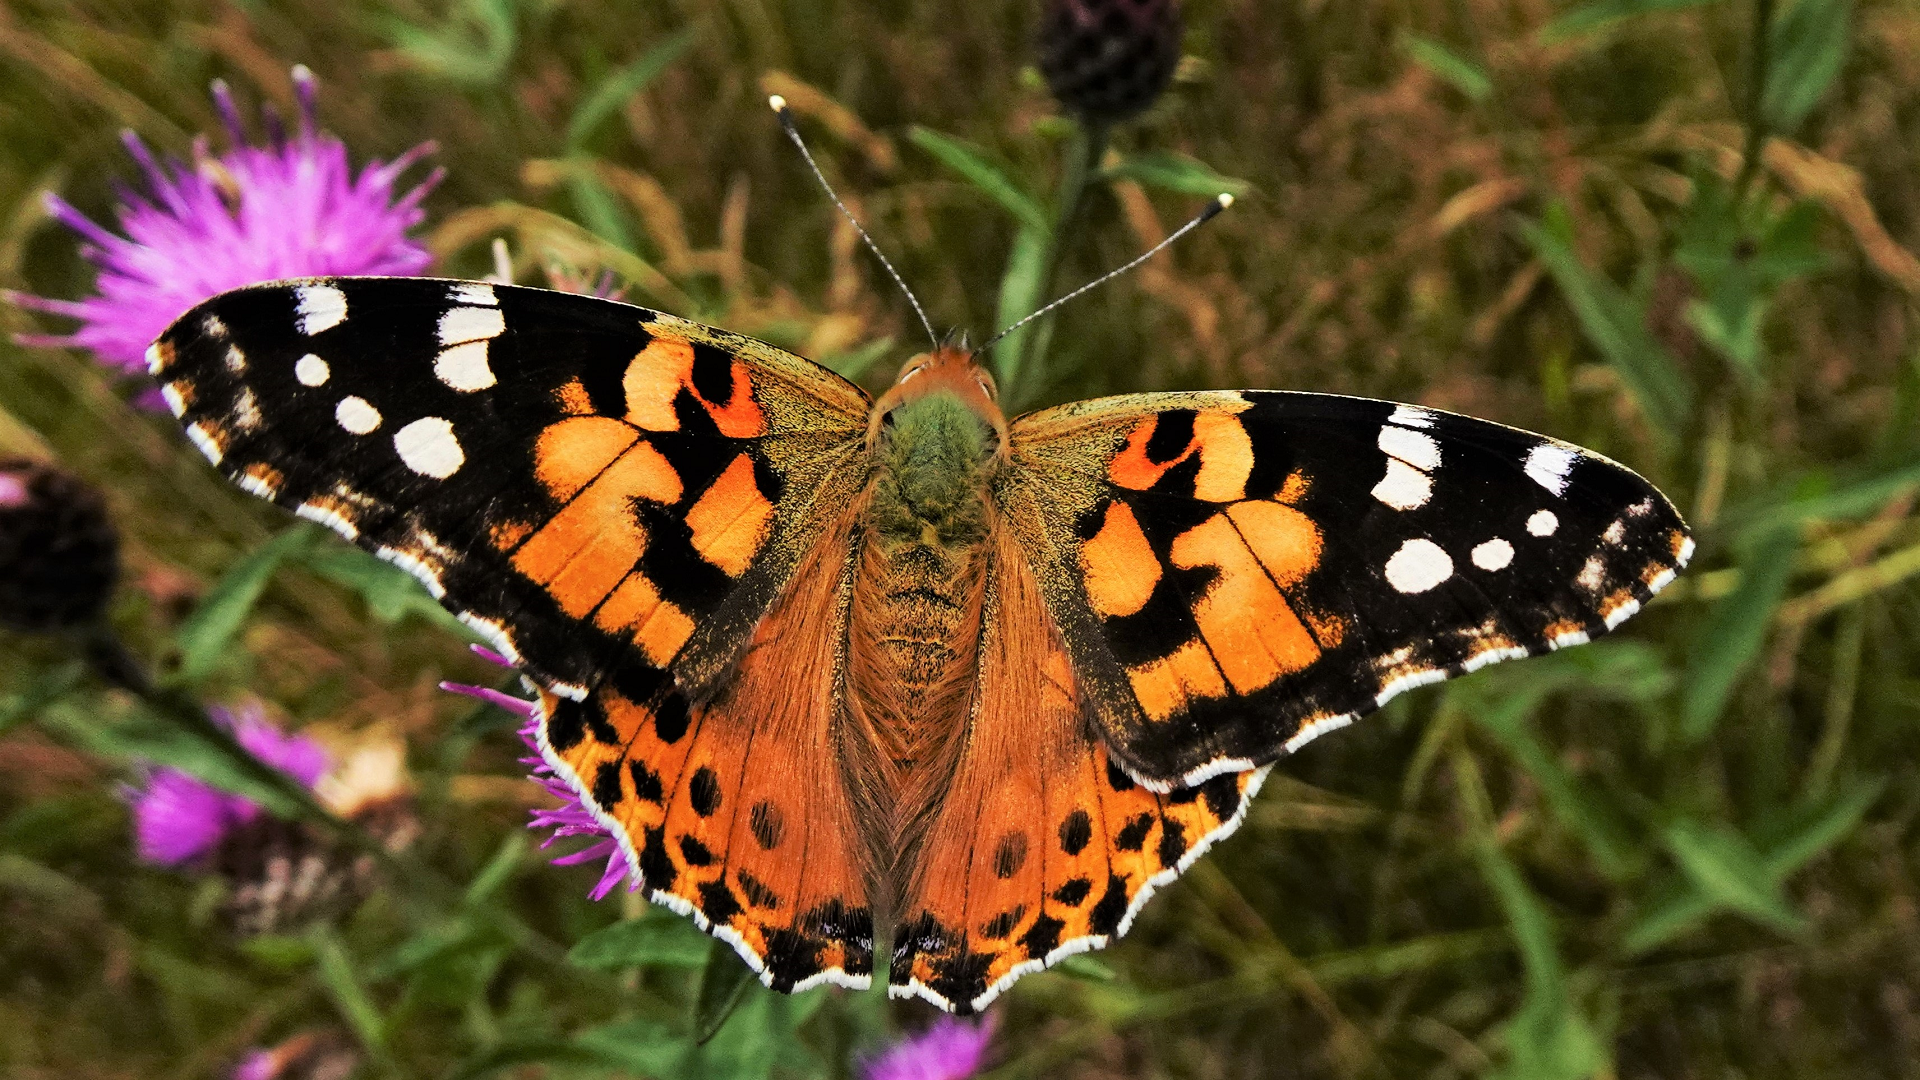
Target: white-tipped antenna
[[1220, 202], [786, 122]]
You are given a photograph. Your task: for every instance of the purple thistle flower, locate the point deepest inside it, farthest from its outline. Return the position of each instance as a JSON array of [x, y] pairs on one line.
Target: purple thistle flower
[[291, 208], [177, 817], [950, 1049], [257, 1065], [570, 818]]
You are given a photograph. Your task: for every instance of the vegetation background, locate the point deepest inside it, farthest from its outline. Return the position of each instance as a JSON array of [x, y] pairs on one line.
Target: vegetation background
[[1680, 232]]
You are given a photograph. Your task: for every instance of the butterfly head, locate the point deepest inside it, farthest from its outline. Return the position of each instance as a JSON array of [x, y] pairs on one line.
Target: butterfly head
[[946, 370]]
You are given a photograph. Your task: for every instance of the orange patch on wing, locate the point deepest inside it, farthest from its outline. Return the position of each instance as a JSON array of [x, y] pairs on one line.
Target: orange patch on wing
[[585, 550], [1118, 564], [507, 535], [574, 399], [567, 455], [1226, 457], [1164, 686], [1132, 468], [1286, 541], [653, 379], [730, 518], [1250, 628], [635, 609], [657, 374], [1677, 540], [1295, 487]]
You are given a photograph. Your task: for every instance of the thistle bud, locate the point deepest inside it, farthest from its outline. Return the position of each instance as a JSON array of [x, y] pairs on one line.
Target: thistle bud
[[1107, 60], [59, 553]]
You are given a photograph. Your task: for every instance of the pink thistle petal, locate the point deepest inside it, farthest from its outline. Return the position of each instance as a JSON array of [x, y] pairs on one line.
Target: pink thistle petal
[[949, 1049], [177, 817], [293, 207], [570, 818]]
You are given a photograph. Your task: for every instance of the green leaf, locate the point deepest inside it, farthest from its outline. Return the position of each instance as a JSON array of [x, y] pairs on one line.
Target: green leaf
[[335, 969], [155, 740], [43, 689], [498, 871], [1575, 803], [1601, 13], [1724, 866], [1020, 289], [650, 941], [1808, 44], [475, 48], [643, 1047], [1450, 67], [1547, 1039], [971, 163], [1818, 498], [1086, 968], [614, 91], [391, 594], [599, 211], [1170, 171], [852, 365], [1736, 630], [1614, 324], [723, 984], [1819, 827], [204, 639]]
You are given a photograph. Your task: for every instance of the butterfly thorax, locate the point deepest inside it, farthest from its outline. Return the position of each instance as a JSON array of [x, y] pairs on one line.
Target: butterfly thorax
[[917, 594]]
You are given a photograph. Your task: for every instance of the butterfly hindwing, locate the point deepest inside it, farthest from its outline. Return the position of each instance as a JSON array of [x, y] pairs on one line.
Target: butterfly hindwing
[[615, 498], [1042, 847], [1237, 572]]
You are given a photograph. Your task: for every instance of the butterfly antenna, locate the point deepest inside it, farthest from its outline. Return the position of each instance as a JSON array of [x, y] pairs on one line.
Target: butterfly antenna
[[786, 121], [1220, 202]]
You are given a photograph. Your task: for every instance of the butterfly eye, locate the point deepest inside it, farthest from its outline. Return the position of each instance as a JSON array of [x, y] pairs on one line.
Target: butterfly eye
[[986, 387], [912, 371]]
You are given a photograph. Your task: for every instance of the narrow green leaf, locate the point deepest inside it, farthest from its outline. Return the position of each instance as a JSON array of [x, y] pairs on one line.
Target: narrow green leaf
[[43, 689], [599, 211], [1020, 289], [153, 740], [1086, 968], [335, 969], [205, 637], [498, 871], [1450, 67], [723, 984], [1593, 16], [972, 164], [1614, 324], [1809, 47], [1725, 867], [1736, 630], [614, 91], [1823, 827], [1170, 171], [475, 48], [391, 594], [1575, 805], [643, 1047], [649, 941]]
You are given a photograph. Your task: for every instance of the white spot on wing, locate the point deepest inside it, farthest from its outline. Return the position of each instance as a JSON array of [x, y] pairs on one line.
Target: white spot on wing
[[1593, 574], [429, 448], [1313, 729], [155, 359], [1414, 448], [1492, 656], [328, 516], [319, 307], [311, 370], [1409, 681], [1616, 533], [471, 324], [1548, 465], [203, 439], [246, 411], [236, 360], [1411, 416], [1686, 551], [464, 367], [1419, 565], [1543, 523], [170, 393], [1495, 554], [473, 292], [357, 415], [1568, 639], [1622, 613], [1404, 487]]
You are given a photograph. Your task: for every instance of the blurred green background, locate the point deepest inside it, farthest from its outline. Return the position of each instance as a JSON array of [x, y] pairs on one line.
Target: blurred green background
[[1678, 232]]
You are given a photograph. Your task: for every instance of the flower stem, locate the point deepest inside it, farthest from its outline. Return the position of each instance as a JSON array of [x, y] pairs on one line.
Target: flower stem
[[1758, 67]]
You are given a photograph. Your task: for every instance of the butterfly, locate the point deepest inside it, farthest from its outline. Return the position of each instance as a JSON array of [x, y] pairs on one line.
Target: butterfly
[[828, 666]]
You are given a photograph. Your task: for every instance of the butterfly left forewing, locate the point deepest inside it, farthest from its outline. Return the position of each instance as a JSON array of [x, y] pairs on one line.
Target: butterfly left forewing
[[585, 482], [1236, 572]]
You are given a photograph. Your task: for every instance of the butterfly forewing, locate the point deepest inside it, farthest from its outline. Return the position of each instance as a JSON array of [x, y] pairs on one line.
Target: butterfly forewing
[[615, 498], [1237, 572]]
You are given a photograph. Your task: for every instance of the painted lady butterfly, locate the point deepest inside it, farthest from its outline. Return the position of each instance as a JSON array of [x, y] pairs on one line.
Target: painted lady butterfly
[[824, 664]]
